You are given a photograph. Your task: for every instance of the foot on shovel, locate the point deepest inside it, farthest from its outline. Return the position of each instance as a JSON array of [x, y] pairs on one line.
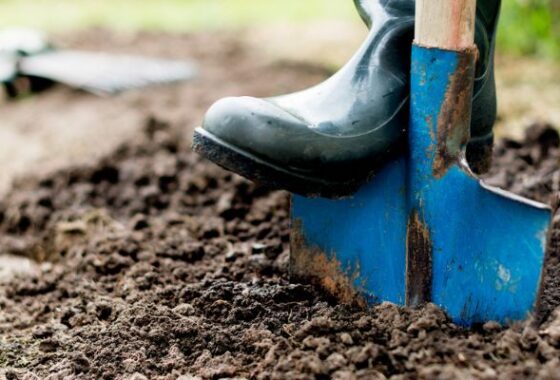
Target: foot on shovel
[[424, 228]]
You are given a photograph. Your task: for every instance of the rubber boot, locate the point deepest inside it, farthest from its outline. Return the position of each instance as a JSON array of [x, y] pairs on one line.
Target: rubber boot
[[330, 139]]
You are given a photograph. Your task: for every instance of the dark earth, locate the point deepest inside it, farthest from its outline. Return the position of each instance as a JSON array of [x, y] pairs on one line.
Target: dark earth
[[156, 264]]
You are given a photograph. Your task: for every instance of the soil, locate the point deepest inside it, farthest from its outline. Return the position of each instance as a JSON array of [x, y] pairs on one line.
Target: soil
[[153, 263]]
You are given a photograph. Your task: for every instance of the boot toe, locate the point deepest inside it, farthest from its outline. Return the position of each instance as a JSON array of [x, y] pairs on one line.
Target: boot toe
[[255, 126], [224, 114]]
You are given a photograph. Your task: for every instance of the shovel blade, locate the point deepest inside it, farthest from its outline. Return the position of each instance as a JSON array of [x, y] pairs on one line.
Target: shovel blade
[[355, 248], [488, 249], [487, 246]]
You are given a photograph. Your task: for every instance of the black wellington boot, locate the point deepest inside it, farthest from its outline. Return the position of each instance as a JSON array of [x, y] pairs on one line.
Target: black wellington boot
[[328, 140]]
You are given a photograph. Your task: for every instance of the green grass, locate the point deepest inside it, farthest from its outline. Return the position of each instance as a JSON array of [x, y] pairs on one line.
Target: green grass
[[171, 15], [531, 27], [528, 27]]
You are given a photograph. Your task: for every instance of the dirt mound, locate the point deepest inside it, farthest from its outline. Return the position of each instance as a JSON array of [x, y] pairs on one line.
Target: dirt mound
[[157, 264]]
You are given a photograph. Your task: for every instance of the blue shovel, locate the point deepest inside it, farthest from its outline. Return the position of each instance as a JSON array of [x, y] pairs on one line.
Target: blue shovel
[[425, 229]]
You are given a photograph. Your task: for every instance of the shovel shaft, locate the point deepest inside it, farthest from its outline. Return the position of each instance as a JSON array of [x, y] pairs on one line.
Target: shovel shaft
[[441, 92], [442, 77], [443, 64], [445, 24]]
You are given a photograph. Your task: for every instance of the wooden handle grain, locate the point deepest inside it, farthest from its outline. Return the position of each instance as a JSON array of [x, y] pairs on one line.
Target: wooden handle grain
[[445, 24]]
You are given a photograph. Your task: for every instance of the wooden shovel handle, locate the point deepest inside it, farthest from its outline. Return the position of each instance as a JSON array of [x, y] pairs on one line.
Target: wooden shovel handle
[[445, 24]]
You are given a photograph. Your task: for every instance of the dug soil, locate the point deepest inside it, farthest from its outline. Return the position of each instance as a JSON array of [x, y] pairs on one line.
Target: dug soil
[[154, 263]]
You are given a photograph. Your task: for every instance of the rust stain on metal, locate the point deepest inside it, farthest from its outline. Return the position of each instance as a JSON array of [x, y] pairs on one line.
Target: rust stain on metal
[[432, 149], [419, 262], [429, 120], [453, 125], [311, 264]]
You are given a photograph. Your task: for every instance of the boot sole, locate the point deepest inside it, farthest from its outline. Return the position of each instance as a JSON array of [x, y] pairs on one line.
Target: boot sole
[[256, 169], [479, 156]]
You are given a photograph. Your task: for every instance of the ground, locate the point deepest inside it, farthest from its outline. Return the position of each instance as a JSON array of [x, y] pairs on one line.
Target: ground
[[125, 256]]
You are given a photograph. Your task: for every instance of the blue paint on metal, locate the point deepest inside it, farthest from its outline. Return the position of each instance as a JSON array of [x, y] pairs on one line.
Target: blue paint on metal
[[364, 233], [488, 246]]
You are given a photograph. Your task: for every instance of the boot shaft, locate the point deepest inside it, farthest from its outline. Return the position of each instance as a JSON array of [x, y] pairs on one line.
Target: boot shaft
[[487, 10]]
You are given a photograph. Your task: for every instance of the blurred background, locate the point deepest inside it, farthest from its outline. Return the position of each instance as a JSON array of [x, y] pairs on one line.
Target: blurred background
[[321, 31], [528, 27]]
